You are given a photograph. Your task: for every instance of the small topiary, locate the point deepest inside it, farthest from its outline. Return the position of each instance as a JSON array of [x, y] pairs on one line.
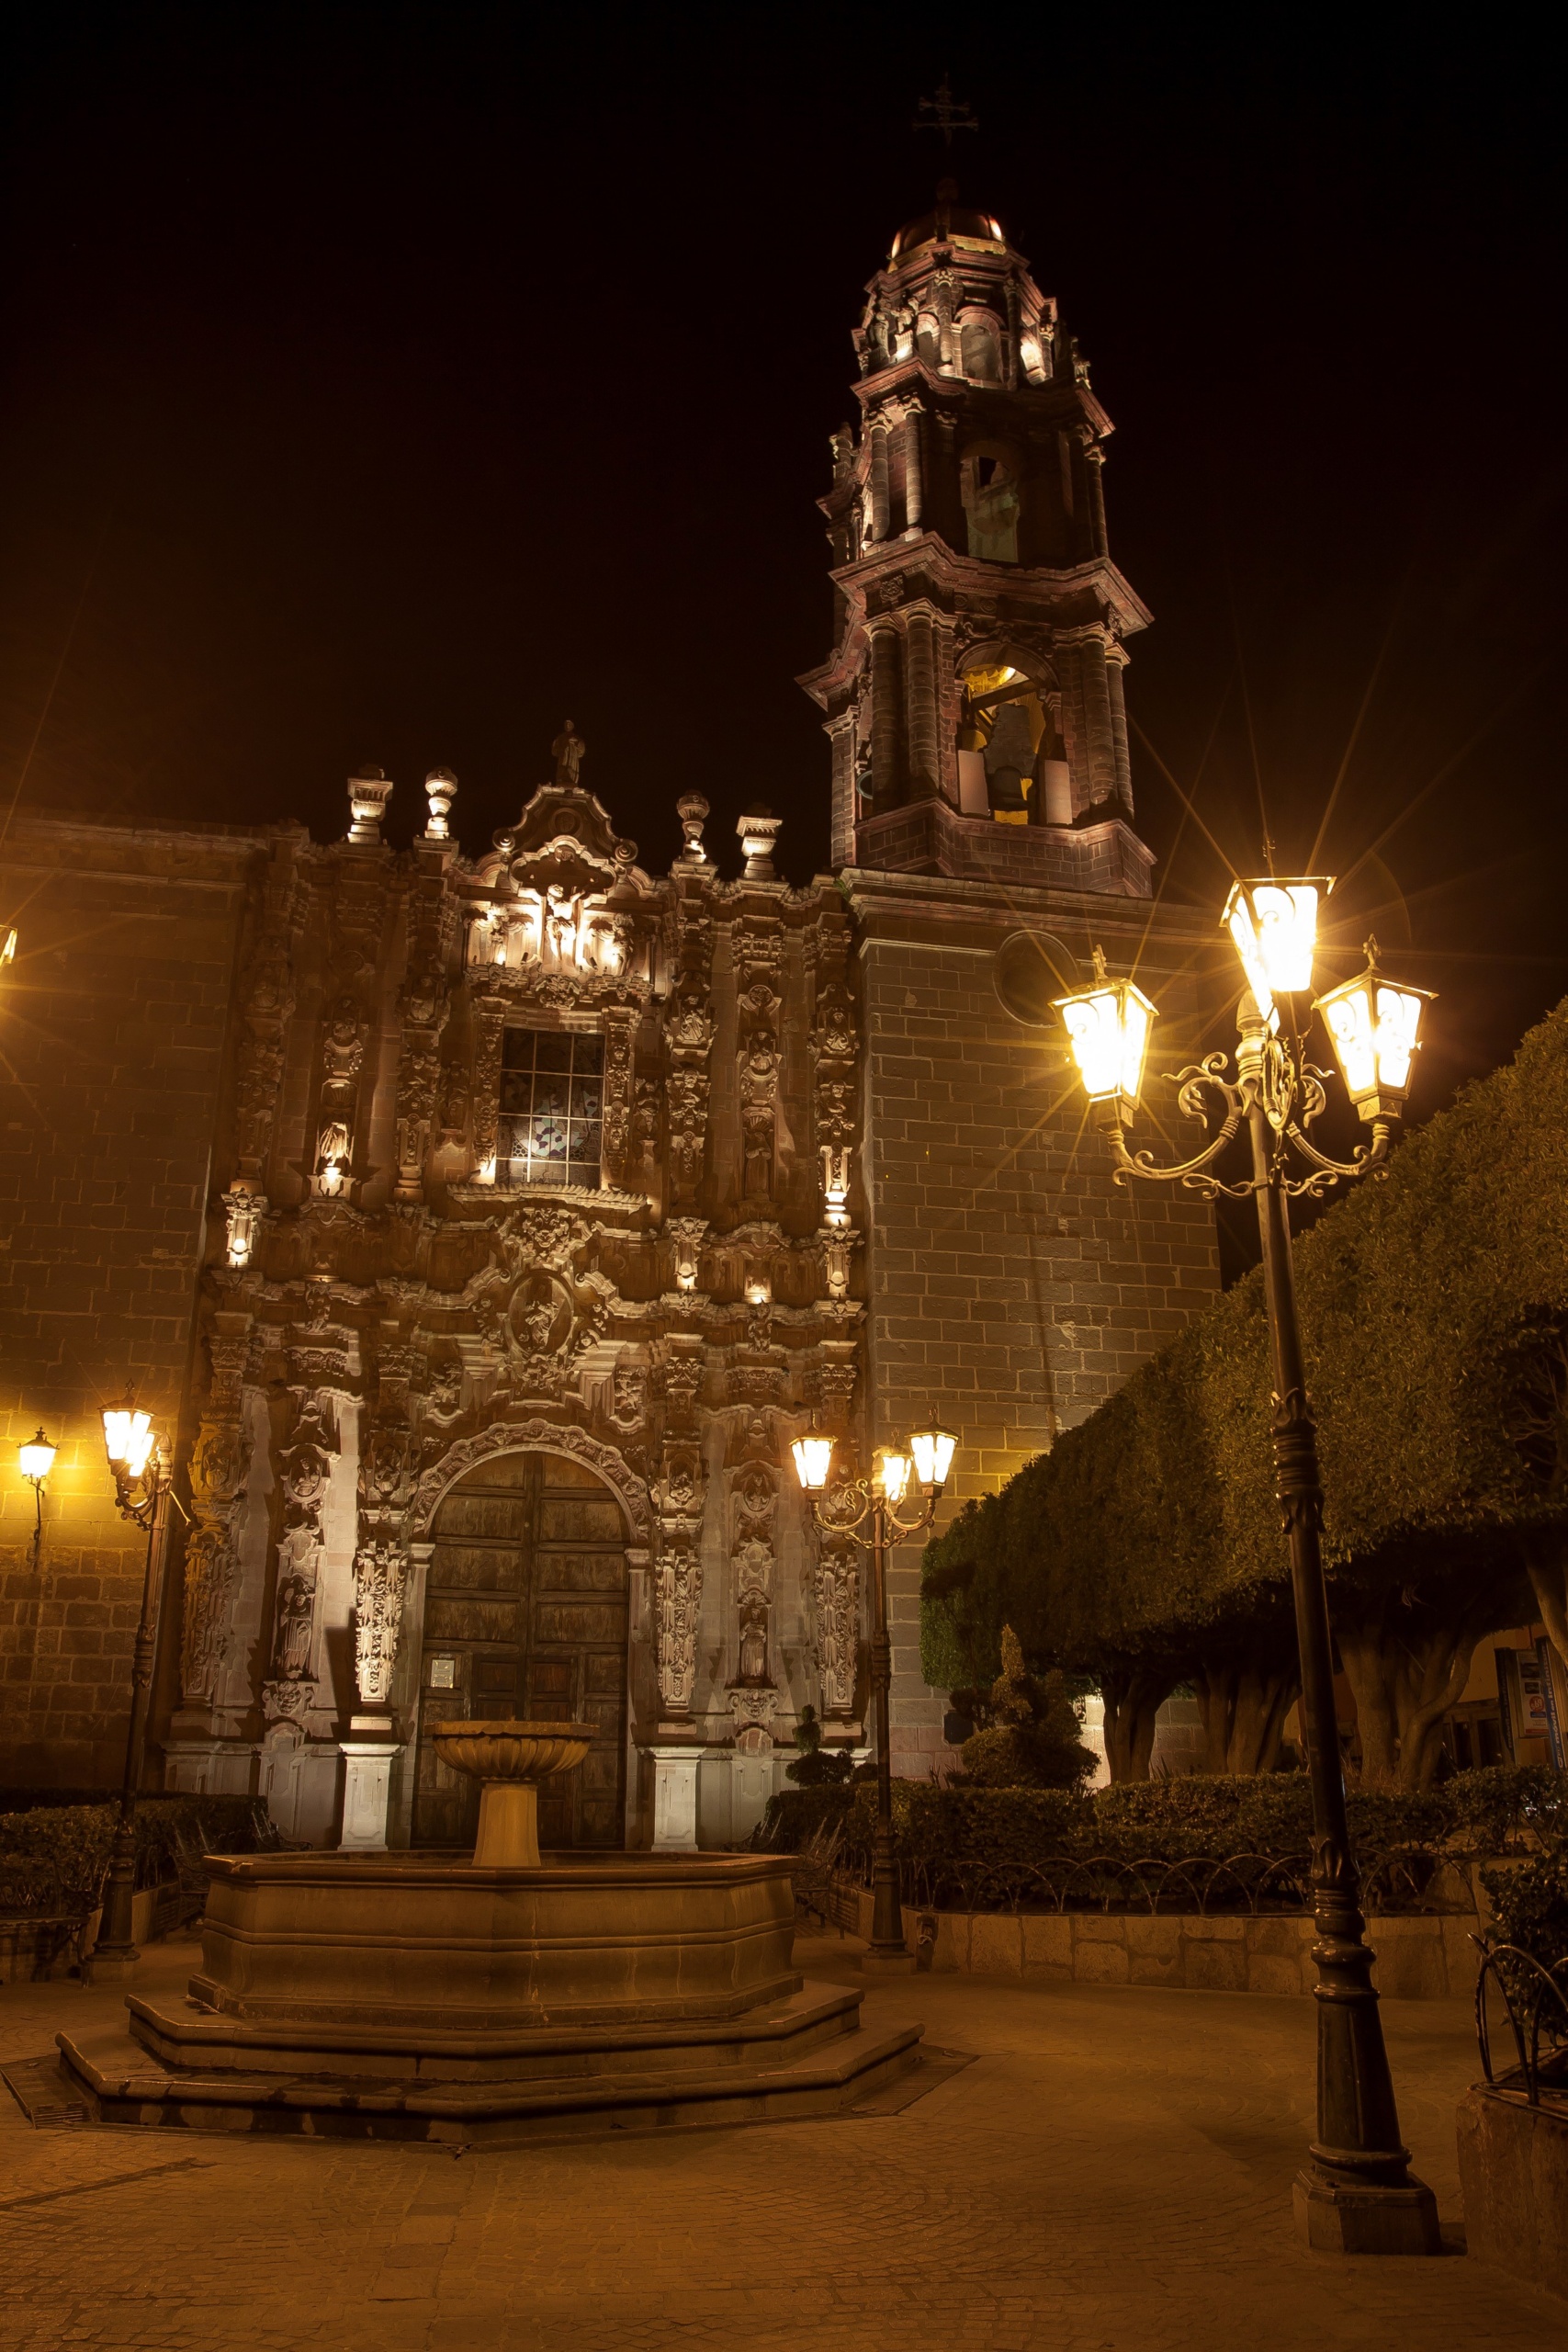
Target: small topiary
[[813, 1769], [1032, 1740]]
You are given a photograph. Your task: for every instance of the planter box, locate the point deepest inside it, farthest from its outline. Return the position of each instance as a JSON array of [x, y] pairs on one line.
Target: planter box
[[1420, 1957], [32, 1949], [1513, 2170]]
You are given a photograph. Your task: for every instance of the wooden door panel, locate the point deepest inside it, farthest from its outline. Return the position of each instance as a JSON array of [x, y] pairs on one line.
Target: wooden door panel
[[465, 1617], [574, 1522], [474, 1567], [527, 1596]]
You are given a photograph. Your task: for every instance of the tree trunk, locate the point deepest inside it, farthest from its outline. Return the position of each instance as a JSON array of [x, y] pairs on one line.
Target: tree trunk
[[1243, 1710], [1407, 1666], [1133, 1698], [1545, 1559]]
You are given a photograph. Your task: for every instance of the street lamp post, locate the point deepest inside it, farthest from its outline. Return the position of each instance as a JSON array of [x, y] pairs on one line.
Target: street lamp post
[[1355, 2194], [844, 1509], [141, 1494]]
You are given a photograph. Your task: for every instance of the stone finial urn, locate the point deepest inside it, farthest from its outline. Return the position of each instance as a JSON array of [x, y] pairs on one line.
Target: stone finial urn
[[511, 1759]]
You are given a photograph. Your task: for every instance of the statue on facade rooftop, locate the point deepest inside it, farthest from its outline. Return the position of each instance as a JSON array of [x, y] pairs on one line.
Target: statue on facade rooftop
[[567, 752]]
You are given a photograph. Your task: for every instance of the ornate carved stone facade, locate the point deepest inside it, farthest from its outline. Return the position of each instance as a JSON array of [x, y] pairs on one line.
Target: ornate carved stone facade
[[551, 1195]]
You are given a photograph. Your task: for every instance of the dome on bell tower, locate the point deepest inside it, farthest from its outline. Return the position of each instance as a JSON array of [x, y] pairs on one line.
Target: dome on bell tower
[[946, 223]]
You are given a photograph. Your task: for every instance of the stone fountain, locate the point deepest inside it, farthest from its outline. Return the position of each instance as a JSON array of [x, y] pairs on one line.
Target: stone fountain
[[494, 1998]]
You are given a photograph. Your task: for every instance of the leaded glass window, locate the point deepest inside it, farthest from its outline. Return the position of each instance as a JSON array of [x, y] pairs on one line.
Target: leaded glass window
[[552, 1091]]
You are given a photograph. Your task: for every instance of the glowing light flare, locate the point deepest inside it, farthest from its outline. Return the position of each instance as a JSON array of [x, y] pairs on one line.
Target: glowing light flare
[[812, 1460], [128, 1439], [932, 1450], [1109, 1027], [890, 1474], [1273, 924], [36, 1459]]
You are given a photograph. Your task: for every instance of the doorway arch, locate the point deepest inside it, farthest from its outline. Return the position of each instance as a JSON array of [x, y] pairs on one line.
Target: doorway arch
[[525, 1614]]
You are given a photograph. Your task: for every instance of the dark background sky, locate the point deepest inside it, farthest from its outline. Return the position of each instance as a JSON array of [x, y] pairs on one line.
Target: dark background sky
[[381, 384]]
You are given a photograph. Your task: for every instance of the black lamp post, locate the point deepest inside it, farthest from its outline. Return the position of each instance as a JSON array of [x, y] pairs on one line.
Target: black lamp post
[[844, 1509], [1355, 2194], [141, 1494]]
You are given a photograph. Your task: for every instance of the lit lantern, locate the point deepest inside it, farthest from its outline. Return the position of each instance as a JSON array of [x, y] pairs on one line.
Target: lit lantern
[[128, 1439], [1374, 1023], [36, 1459], [1274, 927], [891, 1473], [932, 1450], [813, 1458], [1108, 1026]]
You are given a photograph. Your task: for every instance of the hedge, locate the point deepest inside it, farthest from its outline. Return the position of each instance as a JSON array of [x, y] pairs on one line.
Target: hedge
[[53, 1858], [1146, 1548], [996, 1848]]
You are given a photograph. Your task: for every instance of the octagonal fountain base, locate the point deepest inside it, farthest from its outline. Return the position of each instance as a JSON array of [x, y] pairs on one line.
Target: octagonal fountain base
[[405, 1996]]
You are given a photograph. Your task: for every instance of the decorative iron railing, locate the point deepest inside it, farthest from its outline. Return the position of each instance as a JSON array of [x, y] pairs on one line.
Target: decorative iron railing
[[1533, 1998]]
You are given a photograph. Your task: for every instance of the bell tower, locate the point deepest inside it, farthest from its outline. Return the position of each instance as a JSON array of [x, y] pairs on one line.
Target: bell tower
[[974, 696]]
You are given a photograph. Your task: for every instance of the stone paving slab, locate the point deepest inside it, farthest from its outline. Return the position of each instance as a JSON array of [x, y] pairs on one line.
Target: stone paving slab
[[1111, 2173]]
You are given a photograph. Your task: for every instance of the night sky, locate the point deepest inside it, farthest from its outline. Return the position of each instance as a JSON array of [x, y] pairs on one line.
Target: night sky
[[381, 385]]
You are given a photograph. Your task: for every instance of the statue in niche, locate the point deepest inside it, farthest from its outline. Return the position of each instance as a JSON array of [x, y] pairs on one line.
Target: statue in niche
[[629, 1390], [342, 1048], [453, 1105], [332, 1144], [296, 1620], [753, 1643], [560, 923], [567, 752]]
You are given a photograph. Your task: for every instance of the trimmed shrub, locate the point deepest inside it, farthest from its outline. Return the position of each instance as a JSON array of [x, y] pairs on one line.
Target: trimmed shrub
[[53, 1858]]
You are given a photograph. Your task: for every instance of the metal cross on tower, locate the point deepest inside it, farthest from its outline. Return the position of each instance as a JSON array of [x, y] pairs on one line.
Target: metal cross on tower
[[944, 113]]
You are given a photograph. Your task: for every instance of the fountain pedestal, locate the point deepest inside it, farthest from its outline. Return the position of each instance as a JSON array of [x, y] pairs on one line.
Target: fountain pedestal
[[511, 1759]]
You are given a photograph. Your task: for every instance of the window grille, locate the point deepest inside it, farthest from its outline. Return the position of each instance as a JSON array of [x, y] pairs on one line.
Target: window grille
[[551, 1108]]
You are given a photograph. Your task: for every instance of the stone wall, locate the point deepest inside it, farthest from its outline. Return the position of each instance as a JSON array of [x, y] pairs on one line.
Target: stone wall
[[1012, 1286], [113, 1025], [1419, 1957]]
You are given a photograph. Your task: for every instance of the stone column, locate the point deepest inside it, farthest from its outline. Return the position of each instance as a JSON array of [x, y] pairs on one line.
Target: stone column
[[920, 682], [1095, 458], [675, 1799], [880, 504], [1115, 662], [366, 1786], [1086, 715], [886, 764], [914, 475], [841, 733], [946, 507]]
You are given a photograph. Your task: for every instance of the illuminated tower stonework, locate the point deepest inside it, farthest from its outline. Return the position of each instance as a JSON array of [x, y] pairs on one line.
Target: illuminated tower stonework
[[983, 836]]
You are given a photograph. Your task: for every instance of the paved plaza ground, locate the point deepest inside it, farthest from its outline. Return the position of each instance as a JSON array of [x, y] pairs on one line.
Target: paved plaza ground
[[1111, 2172]]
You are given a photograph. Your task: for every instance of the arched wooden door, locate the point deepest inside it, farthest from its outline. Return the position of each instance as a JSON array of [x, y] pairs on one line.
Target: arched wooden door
[[525, 1615]]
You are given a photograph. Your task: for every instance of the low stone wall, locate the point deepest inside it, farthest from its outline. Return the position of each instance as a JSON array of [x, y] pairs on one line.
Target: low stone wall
[[32, 1949], [1513, 2170], [1420, 1957]]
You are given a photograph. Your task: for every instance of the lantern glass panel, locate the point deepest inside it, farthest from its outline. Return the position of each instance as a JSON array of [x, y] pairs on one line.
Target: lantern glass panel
[[932, 1450], [813, 1458], [892, 1474]]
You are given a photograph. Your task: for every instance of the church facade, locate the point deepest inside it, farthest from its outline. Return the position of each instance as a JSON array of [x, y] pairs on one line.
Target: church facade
[[482, 1226]]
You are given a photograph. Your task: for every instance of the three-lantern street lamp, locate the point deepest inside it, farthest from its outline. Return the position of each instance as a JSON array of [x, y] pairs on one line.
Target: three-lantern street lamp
[[1356, 2193], [141, 1494], [844, 1506]]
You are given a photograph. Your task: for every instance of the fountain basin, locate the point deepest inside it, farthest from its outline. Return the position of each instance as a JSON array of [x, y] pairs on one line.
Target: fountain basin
[[414, 1940], [411, 1996]]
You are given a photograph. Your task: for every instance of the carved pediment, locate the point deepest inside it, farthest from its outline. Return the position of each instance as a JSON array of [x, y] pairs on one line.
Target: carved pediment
[[565, 836]]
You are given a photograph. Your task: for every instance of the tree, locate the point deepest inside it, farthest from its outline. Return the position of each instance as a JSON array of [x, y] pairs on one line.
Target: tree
[[1145, 1547], [1032, 1740]]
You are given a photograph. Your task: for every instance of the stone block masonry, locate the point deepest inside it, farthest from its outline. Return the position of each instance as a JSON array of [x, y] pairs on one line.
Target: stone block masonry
[[1011, 1285], [113, 1028]]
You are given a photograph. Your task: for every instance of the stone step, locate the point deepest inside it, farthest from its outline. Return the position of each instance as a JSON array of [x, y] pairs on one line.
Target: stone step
[[187, 2038], [122, 2084]]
